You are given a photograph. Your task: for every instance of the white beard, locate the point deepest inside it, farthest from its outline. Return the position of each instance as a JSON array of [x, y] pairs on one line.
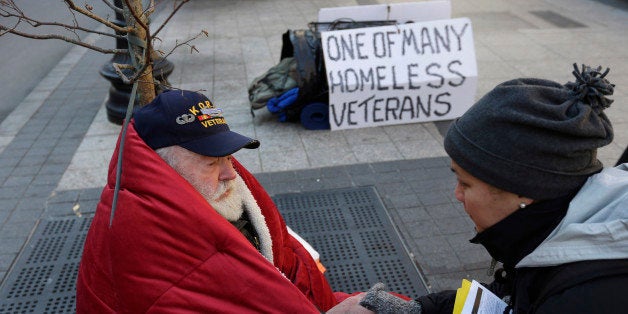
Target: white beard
[[232, 206]]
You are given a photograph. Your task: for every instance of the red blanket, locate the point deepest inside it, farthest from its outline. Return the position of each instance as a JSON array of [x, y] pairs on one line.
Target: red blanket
[[169, 251]]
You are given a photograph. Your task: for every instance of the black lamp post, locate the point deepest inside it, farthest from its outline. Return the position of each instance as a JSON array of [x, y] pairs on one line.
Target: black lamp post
[[119, 92]]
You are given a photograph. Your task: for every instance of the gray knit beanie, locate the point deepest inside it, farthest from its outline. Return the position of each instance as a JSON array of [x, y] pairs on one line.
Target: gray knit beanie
[[534, 137]]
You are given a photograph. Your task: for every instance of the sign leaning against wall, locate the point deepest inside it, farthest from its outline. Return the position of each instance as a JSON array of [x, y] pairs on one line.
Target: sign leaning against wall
[[406, 73]]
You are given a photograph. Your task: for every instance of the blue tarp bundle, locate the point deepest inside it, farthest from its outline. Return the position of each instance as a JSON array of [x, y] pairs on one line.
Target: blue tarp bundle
[[277, 105]]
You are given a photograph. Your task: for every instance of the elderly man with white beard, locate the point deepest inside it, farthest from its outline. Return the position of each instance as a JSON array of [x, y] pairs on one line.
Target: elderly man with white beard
[[224, 190], [193, 230]]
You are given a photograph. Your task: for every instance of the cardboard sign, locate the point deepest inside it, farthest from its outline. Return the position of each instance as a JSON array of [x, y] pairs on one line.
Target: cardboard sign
[[407, 73]]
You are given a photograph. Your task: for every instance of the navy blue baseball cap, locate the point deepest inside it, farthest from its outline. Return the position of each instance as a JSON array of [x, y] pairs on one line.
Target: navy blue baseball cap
[[190, 120]]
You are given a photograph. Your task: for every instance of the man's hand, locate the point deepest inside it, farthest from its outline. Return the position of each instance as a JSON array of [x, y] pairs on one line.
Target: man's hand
[[350, 306]]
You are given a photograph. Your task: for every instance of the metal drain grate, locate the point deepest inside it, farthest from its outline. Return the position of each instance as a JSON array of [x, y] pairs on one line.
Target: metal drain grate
[[355, 237], [349, 227], [43, 279]]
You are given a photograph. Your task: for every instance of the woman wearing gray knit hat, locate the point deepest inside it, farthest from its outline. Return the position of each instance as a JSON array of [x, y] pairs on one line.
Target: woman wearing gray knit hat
[[525, 156]]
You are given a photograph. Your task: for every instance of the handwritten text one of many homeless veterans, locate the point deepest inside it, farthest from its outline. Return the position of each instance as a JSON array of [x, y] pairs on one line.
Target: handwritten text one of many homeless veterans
[[406, 73]]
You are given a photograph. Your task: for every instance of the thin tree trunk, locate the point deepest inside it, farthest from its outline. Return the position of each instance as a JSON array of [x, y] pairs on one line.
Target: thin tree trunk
[[146, 86]]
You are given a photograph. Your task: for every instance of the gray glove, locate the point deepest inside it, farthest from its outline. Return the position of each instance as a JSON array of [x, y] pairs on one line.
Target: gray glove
[[382, 302]]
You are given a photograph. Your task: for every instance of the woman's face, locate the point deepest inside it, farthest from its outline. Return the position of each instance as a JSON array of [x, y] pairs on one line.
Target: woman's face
[[485, 204]]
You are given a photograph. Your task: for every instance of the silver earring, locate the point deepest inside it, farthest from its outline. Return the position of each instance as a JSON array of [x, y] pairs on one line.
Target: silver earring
[[522, 205]]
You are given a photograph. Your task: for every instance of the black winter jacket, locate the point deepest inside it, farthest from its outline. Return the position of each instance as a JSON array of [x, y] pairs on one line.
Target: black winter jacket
[[595, 286]]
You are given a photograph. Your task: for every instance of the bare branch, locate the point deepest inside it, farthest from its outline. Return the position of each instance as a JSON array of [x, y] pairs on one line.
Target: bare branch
[[76, 27], [64, 38], [187, 43], [164, 85], [11, 5], [113, 7], [150, 9], [136, 28], [74, 7], [12, 10], [2, 31], [118, 67], [176, 8], [9, 9], [76, 24]]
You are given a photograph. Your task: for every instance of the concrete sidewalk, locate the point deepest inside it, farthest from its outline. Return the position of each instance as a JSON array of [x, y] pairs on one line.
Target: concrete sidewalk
[[56, 146]]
